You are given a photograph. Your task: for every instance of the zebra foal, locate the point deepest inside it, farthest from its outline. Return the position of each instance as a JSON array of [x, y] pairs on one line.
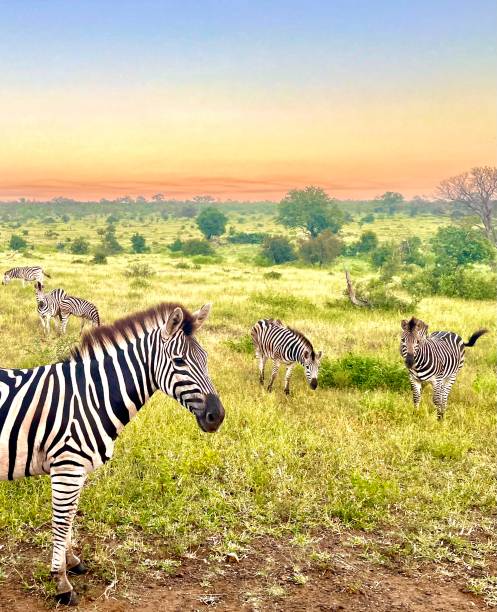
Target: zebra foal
[[25, 273], [273, 340], [435, 358], [62, 419]]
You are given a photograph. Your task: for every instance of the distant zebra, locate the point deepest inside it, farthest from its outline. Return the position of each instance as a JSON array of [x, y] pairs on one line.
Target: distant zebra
[[78, 307], [25, 273], [436, 358], [275, 341], [63, 419], [48, 305]]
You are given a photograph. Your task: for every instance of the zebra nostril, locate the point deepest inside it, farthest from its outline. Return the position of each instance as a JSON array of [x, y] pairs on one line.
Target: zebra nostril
[[210, 418]]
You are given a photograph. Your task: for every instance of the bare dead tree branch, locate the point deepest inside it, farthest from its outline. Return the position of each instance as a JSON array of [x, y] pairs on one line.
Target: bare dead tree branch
[[357, 301], [477, 191]]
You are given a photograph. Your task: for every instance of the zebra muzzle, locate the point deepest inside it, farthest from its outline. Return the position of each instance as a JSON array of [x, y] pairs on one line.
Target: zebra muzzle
[[409, 360], [212, 415]]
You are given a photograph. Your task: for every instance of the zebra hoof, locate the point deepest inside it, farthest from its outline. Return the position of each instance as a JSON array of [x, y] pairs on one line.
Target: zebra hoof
[[69, 598], [78, 570], [287, 391]]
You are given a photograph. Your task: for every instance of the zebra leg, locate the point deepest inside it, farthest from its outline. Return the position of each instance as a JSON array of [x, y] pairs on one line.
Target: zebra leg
[[67, 482], [274, 373], [416, 391], [64, 317], [287, 377], [446, 387], [437, 398], [262, 363]]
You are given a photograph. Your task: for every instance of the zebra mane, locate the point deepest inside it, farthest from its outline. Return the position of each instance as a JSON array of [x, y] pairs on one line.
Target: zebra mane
[[128, 328], [305, 340], [411, 324]]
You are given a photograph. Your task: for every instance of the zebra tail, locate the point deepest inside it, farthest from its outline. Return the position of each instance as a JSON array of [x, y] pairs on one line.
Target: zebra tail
[[475, 336], [47, 275]]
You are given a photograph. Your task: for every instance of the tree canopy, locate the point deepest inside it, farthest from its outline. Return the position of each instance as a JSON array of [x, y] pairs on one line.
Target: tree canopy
[[212, 222], [310, 209]]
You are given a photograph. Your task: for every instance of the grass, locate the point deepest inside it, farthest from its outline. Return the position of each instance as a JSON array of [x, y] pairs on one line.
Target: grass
[[347, 455]]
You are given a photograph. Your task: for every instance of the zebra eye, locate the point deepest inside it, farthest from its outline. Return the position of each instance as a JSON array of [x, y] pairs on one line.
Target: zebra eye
[[179, 361]]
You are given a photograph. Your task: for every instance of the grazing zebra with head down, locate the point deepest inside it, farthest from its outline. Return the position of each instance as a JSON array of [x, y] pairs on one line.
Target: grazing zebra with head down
[[63, 419], [436, 358], [78, 307], [275, 341], [48, 305], [25, 273]]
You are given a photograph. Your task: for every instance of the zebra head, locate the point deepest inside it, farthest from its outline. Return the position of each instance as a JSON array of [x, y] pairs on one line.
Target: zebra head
[[413, 332], [311, 364], [6, 278], [182, 369]]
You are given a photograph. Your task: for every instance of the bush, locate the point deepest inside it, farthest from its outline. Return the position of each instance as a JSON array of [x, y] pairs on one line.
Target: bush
[[383, 253], [197, 247], [80, 246], [468, 283], [100, 257], [410, 251], [363, 372], [17, 243], [321, 250], [457, 246], [139, 270], [367, 242], [247, 238], [139, 244], [380, 296], [109, 243], [176, 246], [244, 345], [273, 275], [278, 250]]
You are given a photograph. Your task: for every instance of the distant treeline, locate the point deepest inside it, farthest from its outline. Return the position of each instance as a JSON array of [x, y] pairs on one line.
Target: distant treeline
[[66, 208]]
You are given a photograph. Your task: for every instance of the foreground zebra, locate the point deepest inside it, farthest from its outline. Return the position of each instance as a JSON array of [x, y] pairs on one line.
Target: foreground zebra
[[275, 341], [436, 358], [78, 307], [25, 273], [48, 305], [62, 419]]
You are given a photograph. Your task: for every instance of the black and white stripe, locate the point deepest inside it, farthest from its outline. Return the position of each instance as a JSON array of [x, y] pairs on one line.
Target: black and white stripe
[[275, 341], [78, 307], [25, 273], [436, 359], [48, 305], [63, 419]]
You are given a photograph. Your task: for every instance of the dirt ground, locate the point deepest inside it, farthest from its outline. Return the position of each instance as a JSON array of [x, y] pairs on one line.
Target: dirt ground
[[271, 575]]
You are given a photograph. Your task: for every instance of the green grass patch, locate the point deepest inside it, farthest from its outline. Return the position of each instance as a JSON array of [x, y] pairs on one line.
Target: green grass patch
[[363, 372]]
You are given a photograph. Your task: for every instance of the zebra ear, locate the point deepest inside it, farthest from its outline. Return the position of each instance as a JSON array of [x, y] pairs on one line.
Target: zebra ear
[[201, 316], [319, 355], [172, 324], [404, 323]]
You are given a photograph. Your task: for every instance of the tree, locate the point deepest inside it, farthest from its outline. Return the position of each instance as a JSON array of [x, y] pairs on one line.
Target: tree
[[277, 250], [17, 243], [139, 244], [80, 246], [321, 250], [310, 209], [390, 201], [455, 246], [212, 222], [410, 251], [477, 192], [109, 241], [158, 197]]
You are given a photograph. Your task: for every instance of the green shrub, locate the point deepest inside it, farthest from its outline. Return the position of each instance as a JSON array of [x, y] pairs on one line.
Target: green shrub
[[176, 246], [380, 295], [17, 243], [363, 372], [197, 247], [244, 345], [278, 250], [100, 257], [323, 249], [466, 282], [247, 238], [273, 275], [139, 244], [139, 270], [80, 246]]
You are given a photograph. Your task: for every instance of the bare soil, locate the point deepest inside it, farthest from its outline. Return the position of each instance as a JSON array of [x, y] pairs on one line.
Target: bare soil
[[270, 575]]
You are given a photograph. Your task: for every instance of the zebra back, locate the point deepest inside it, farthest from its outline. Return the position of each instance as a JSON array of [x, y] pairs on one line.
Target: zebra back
[[79, 307]]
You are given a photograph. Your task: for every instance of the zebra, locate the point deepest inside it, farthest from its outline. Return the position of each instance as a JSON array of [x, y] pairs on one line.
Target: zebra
[[273, 340], [435, 358], [25, 273], [62, 419], [48, 305], [78, 307]]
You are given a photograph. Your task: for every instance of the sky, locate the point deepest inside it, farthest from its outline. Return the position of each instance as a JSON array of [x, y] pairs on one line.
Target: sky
[[244, 99]]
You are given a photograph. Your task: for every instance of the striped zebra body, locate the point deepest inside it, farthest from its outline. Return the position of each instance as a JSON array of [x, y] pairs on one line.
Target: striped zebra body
[[25, 273], [48, 305], [62, 419], [78, 307], [435, 358], [273, 340]]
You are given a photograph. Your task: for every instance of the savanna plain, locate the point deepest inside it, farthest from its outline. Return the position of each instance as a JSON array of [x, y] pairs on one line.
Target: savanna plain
[[339, 498]]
